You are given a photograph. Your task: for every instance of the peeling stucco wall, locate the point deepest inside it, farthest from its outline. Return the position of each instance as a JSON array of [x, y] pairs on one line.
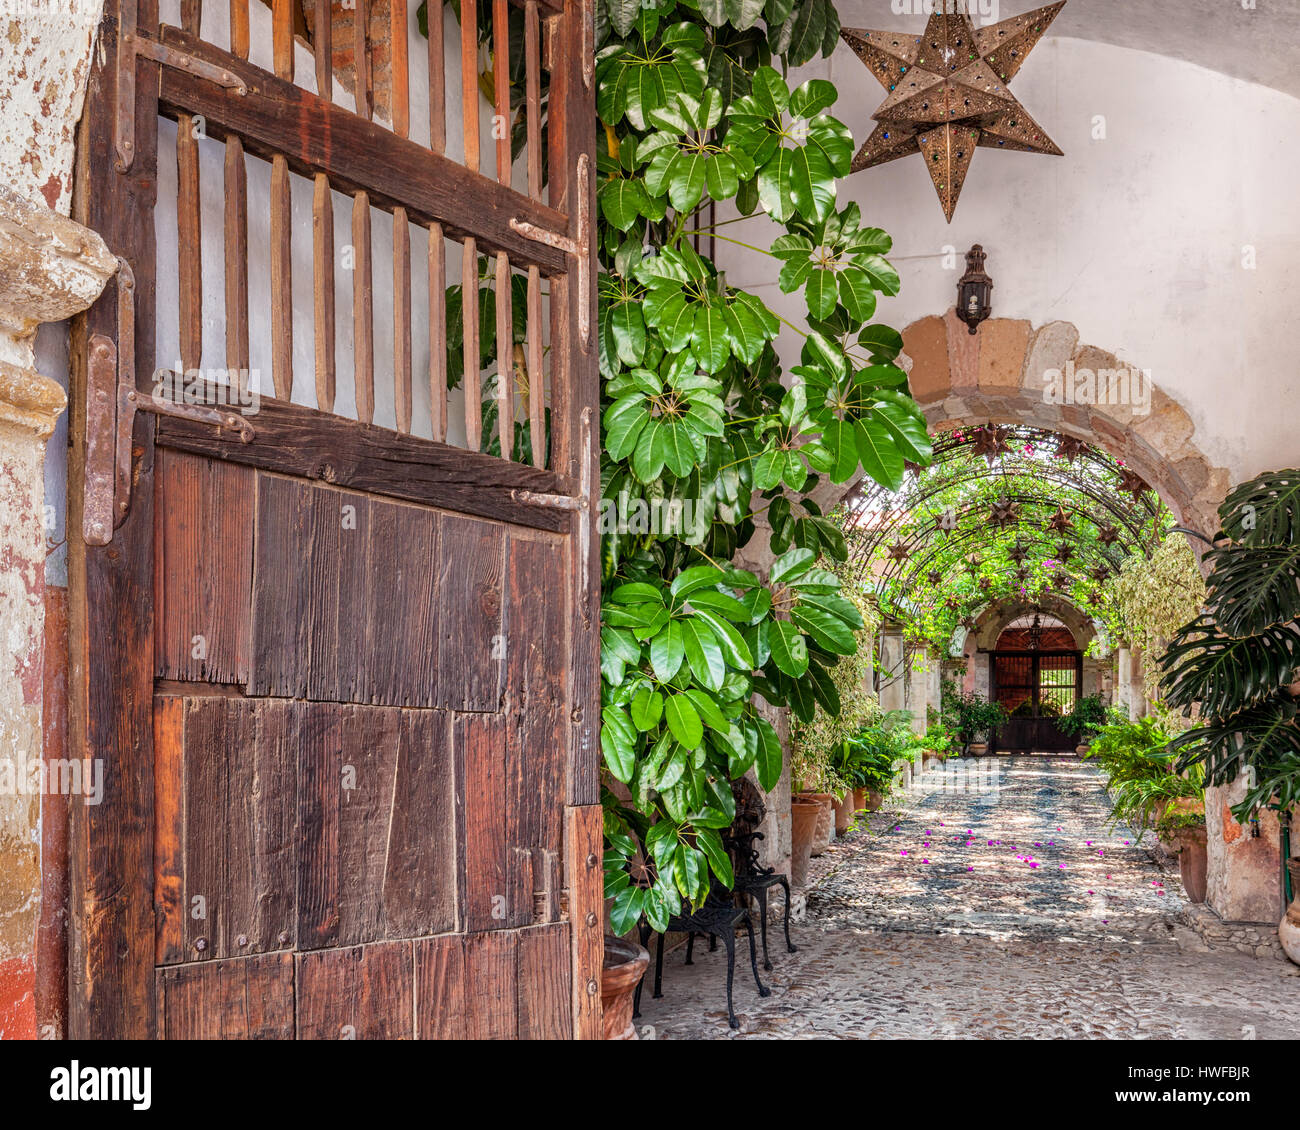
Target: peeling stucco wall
[[44, 63], [50, 268]]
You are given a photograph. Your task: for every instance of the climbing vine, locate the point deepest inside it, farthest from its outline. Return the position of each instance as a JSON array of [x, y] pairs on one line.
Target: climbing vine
[[707, 445]]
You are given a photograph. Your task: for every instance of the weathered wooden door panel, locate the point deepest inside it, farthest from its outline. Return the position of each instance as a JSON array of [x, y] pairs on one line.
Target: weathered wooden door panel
[[344, 676], [247, 998]]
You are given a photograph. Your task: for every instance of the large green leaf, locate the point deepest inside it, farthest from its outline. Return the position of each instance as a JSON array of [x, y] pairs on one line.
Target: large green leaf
[[683, 720], [789, 651]]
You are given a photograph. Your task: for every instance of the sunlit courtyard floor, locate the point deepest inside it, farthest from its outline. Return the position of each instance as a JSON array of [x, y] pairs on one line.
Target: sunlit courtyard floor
[[993, 901]]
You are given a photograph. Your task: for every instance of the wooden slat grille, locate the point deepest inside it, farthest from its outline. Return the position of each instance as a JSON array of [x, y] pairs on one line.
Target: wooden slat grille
[[370, 160]]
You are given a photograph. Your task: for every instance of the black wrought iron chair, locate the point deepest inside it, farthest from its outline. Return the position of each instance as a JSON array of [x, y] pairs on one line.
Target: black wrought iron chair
[[718, 918], [753, 879]]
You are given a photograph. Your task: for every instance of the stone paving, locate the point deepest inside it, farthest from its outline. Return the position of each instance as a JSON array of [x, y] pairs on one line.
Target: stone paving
[[992, 902]]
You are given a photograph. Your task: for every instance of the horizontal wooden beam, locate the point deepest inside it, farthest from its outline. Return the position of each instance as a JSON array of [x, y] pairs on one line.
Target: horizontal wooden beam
[[293, 440], [316, 136]]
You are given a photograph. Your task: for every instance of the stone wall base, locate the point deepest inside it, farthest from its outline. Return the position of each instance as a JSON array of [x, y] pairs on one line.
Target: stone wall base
[[1259, 939]]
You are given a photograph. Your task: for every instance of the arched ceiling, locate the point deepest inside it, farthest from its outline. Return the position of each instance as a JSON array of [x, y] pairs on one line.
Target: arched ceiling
[[1257, 44]]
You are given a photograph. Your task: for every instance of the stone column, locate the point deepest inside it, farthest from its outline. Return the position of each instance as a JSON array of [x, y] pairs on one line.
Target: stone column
[[891, 668], [50, 269]]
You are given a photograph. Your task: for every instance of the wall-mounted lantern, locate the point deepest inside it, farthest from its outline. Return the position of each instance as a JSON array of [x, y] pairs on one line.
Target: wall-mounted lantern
[[974, 290]]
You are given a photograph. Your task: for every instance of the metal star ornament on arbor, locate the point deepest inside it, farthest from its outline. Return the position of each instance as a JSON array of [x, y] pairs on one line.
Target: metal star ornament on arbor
[[947, 93], [1060, 521]]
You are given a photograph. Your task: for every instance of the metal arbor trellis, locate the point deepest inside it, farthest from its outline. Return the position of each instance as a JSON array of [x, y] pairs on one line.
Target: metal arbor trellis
[[998, 487]]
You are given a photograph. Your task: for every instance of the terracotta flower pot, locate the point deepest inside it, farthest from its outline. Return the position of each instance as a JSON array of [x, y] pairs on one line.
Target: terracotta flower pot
[[874, 800], [844, 813], [803, 830], [1288, 930], [625, 962], [1192, 861], [860, 800], [825, 822]]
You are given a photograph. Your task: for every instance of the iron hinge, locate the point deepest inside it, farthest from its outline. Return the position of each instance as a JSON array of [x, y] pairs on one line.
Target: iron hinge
[[130, 46], [579, 247], [112, 401]]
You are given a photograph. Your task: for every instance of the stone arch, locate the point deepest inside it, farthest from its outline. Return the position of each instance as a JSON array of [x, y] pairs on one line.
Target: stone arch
[[998, 374]]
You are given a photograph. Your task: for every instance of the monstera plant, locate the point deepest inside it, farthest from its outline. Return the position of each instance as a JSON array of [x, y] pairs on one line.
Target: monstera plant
[[1239, 660], [706, 445]]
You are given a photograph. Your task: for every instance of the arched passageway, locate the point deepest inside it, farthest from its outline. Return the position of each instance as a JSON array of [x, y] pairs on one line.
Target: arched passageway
[[1013, 373]]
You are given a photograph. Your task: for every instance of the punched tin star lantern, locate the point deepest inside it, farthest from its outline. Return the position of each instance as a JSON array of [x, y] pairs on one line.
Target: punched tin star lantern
[[947, 92]]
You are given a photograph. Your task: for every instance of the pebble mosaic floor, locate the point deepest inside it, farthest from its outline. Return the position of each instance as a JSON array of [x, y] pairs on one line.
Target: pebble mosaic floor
[[991, 902]]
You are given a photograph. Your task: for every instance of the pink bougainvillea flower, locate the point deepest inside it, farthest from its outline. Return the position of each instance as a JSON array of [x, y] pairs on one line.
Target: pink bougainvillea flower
[[902, 853], [970, 869], [925, 861], [1088, 842], [1062, 866], [1033, 865], [1092, 892]]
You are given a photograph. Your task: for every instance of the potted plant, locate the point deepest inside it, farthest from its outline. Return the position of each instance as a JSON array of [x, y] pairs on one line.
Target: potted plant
[[803, 831], [1182, 830], [974, 718], [1289, 928], [1085, 721], [1141, 776], [624, 965], [1236, 663]]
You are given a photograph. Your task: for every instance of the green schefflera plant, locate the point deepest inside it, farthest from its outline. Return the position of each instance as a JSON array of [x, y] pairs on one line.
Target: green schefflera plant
[[705, 445]]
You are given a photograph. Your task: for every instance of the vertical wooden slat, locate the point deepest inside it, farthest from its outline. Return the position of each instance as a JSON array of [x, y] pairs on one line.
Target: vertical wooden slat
[[469, 80], [189, 243], [363, 343], [323, 42], [533, 99], [536, 381], [239, 28], [191, 15], [361, 56], [505, 358], [282, 38], [322, 226], [437, 80], [281, 281], [402, 319], [236, 282], [501, 86], [401, 81], [473, 378], [437, 332]]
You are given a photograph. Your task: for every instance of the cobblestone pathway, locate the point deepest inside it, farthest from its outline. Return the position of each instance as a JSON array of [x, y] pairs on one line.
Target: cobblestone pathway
[[993, 902]]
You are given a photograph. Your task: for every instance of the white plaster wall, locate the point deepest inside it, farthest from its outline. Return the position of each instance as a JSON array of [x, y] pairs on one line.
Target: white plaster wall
[[1137, 239]]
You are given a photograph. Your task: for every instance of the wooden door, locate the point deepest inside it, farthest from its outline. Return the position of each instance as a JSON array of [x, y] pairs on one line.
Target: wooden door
[[343, 676], [1048, 683]]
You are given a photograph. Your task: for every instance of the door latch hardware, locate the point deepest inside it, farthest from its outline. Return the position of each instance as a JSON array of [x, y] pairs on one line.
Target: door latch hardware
[[579, 248], [112, 401]]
